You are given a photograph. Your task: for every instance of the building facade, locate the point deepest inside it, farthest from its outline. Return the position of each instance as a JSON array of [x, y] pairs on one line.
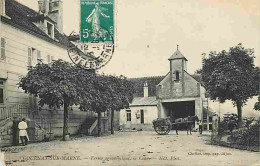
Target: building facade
[[29, 37], [176, 95]]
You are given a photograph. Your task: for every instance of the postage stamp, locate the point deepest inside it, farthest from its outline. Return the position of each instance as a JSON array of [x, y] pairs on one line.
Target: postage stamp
[[96, 34]]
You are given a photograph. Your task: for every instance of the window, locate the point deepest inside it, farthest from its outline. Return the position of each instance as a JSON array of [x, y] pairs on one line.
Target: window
[[210, 119], [2, 48], [29, 57], [205, 127], [52, 58], [128, 115], [205, 117], [176, 76], [2, 92], [39, 56], [48, 58], [50, 30]]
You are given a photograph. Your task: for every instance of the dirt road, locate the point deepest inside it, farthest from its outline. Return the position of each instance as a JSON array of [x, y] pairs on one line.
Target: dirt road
[[131, 149]]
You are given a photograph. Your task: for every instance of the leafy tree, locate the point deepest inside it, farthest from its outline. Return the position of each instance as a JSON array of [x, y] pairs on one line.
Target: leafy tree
[[231, 76], [121, 96], [56, 84], [107, 93]]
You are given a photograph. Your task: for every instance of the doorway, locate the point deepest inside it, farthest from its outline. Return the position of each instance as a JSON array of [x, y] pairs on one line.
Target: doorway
[[142, 116]]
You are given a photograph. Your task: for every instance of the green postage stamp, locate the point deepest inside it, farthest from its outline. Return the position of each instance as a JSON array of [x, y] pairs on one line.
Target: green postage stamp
[[97, 21]]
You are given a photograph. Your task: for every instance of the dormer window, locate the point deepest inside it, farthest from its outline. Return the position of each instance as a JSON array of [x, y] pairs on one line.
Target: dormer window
[[50, 30]]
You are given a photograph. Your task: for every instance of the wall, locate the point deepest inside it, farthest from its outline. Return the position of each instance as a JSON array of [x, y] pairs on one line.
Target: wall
[[55, 118], [168, 89], [15, 64], [150, 113]]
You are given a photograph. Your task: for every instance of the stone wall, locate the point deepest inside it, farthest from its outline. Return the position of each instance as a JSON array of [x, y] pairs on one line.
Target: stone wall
[[36, 133]]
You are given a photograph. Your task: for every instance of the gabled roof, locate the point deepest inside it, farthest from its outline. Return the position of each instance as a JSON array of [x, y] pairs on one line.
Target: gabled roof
[[177, 55], [22, 18], [151, 81], [209, 111], [144, 101]]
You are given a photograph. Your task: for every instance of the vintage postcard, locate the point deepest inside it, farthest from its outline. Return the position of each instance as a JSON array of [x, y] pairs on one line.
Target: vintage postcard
[[129, 82]]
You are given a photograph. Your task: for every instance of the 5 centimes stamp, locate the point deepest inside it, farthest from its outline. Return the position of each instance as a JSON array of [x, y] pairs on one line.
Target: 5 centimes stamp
[[96, 45]]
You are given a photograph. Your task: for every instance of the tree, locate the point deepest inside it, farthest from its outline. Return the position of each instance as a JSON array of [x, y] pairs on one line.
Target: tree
[[121, 96], [107, 93], [231, 76], [56, 84]]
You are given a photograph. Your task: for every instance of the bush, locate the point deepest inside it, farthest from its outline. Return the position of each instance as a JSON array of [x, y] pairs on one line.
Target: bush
[[247, 136], [230, 122], [223, 126]]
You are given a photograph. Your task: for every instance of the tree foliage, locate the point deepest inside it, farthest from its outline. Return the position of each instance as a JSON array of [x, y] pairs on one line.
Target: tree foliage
[[57, 84], [62, 84], [107, 93], [231, 76]]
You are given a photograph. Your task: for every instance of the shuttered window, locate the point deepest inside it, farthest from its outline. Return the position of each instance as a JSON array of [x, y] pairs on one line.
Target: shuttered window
[[29, 57], [2, 48], [176, 76], [128, 115], [39, 56], [2, 90]]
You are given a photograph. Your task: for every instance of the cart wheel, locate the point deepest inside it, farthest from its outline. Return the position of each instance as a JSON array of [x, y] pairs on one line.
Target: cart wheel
[[162, 130]]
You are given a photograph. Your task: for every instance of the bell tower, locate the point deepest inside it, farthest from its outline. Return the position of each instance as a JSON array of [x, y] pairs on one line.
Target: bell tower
[[177, 68]]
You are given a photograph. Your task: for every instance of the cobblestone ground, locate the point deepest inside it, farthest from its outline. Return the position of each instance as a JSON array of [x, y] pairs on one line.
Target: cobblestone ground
[[131, 149]]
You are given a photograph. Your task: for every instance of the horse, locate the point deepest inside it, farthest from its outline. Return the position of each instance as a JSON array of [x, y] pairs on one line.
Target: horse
[[189, 121]]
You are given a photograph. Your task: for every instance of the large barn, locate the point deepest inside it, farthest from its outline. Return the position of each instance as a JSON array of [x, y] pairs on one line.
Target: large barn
[[176, 95]]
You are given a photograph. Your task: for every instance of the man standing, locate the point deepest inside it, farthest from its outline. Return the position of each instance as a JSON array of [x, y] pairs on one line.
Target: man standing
[[22, 126]]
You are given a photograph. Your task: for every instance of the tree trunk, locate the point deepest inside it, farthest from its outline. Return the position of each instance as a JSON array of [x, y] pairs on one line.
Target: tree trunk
[[99, 124], [112, 121], [66, 119], [239, 113]]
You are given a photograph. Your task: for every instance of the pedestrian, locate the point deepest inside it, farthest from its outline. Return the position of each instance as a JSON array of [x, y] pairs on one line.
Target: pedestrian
[[22, 126], [200, 127]]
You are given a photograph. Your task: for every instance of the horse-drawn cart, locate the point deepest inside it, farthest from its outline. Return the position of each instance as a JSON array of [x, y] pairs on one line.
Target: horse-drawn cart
[[163, 126]]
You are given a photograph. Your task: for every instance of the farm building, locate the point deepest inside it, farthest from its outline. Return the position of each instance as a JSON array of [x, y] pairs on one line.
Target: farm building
[[176, 95]]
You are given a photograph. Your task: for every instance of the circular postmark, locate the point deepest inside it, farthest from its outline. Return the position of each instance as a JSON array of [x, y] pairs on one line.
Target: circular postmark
[[95, 53]]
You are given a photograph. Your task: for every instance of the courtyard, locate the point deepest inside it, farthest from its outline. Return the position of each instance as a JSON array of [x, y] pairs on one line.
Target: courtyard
[[142, 148]]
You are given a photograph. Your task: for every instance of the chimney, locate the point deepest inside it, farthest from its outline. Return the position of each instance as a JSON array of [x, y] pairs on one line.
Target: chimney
[[43, 6], [56, 13], [146, 89]]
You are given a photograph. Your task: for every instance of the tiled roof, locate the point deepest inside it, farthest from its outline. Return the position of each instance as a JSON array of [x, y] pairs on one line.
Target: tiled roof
[[151, 81], [144, 101], [177, 55], [21, 17]]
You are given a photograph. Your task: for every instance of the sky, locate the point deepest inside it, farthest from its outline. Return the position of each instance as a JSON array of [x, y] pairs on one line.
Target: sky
[[148, 31]]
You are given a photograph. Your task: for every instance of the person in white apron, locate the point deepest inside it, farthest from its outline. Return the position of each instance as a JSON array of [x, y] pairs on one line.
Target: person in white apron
[[23, 132]]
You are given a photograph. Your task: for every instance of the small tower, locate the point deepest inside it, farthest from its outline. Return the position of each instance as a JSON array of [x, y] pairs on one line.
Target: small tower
[[177, 65]]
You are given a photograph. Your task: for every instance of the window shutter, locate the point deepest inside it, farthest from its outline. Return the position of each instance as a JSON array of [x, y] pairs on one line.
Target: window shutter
[[48, 58], [2, 48], [29, 57], [38, 56]]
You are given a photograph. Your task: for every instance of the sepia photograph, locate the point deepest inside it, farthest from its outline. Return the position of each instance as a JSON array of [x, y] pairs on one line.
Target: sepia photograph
[[130, 82]]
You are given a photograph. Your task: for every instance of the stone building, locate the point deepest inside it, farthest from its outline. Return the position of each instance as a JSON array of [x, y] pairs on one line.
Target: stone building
[[176, 95], [28, 37]]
